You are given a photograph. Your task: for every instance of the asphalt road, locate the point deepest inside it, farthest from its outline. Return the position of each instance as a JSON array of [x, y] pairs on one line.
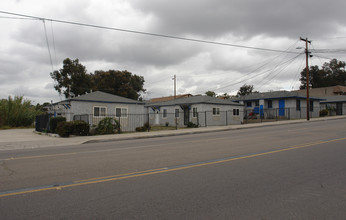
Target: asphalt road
[[295, 171]]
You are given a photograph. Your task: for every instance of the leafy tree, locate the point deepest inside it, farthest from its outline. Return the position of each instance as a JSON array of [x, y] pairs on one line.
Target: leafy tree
[[245, 90], [331, 74], [210, 93], [72, 79], [121, 83]]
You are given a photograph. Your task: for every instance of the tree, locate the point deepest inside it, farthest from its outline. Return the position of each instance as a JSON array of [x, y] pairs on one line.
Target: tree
[[72, 79], [121, 83], [210, 93], [331, 74], [245, 90]]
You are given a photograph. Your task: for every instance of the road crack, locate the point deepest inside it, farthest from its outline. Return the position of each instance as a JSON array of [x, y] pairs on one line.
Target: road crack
[[7, 169]]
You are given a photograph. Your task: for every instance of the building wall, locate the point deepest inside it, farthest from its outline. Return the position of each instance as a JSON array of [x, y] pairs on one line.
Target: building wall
[[290, 108], [204, 115], [136, 113]]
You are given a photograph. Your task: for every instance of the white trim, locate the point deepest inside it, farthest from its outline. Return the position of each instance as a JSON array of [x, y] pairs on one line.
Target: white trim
[[100, 112], [217, 111], [121, 112], [164, 113]]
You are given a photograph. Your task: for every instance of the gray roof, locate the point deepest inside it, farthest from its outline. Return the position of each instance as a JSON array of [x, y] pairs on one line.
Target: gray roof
[[194, 100], [273, 95], [98, 96], [330, 99]]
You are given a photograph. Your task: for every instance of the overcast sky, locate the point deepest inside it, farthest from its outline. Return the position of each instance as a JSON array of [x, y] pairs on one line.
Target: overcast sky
[[25, 62]]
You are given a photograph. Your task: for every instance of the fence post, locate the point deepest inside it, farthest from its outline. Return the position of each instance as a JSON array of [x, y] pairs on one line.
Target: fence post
[[226, 119], [148, 121], [197, 119], [205, 118]]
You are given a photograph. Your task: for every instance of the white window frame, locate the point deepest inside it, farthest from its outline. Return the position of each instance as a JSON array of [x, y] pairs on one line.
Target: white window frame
[[164, 113], [176, 113], [100, 111], [216, 111], [194, 112], [236, 111], [124, 112]]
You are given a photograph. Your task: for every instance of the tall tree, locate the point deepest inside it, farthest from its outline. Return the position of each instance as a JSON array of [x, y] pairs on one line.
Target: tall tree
[[72, 79], [121, 83], [245, 90], [331, 74]]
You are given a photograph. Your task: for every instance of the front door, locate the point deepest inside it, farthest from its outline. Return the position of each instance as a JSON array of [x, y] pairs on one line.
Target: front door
[[186, 115], [281, 107], [338, 108]]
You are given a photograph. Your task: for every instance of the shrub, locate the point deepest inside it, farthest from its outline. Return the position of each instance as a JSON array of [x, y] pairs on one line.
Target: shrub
[[145, 127], [323, 112], [80, 128], [53, 123], [108, 126], [141, 129], [17, 112], [64, 128], [192, 125]]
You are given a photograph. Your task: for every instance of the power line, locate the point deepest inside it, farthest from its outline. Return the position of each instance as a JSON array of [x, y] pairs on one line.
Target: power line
[[50, 56], [147, 33]]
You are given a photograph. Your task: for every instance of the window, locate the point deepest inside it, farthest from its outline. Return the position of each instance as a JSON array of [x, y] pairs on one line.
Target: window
[[194, 112], [216, 111], [311, 106], [121, 112], [248, 104], [164, 113], [177, 113], [270, 103], [298, 105], [257, 103], [100, 111], [235, 111]]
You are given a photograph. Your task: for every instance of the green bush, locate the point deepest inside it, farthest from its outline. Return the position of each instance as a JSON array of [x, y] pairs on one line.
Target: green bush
[[145, 127], [64, 128], [192, 125], [80, 128], [67, 128], [323, 112], [108, 126], [53, 123], [17, 112]]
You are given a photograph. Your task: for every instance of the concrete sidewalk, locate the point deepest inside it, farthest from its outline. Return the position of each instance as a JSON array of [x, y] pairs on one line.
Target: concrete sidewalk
[[28, 139]]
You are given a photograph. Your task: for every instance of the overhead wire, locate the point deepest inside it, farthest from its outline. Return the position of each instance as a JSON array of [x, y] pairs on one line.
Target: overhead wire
[[278, 72], [294, 81], [47, 41], [148, 33], [248, 76]]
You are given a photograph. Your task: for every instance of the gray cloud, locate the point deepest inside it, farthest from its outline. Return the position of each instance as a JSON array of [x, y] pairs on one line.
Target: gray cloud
[[25, 64], [247, 17]]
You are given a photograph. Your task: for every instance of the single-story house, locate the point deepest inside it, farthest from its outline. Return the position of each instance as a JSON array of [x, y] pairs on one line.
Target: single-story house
[[93, 107], [287, 104], [336, 105], [200, 110]]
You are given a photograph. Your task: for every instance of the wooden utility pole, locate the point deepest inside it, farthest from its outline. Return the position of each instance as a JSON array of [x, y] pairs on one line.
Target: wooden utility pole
[[307, 78], [175, 86]]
